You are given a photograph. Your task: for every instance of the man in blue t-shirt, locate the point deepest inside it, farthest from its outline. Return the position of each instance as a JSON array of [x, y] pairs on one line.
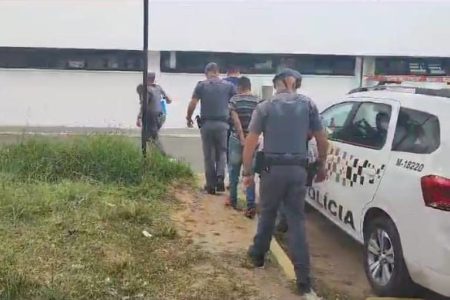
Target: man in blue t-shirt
[[163, 116], [233, 74]]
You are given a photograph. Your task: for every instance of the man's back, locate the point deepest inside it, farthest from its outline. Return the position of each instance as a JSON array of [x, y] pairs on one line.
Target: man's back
[[233, 80], [214, 95], [244, 105], [156, 93], [287, 119]]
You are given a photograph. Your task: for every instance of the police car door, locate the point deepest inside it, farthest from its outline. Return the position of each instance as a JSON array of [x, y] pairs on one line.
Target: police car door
[[359, 150]]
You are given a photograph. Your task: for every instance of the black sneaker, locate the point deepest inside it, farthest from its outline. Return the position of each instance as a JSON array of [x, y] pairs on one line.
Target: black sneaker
[[257, 260], [220, 187], [304, 288], [210, 190], [282, 227]]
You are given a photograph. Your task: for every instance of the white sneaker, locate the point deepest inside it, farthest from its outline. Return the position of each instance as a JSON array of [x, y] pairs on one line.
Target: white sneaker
[[311, 296]]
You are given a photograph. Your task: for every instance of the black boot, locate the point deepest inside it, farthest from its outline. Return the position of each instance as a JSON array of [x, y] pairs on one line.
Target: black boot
[[282, 226], [256, 259], [210, 190], [220, 187], [304, 288]]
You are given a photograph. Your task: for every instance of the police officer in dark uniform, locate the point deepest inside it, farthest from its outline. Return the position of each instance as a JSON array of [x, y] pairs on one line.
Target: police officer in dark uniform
[[285, 120], [214, 94]]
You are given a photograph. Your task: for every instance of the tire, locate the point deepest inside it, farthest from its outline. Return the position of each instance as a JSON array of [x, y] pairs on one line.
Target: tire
[[386, 272]]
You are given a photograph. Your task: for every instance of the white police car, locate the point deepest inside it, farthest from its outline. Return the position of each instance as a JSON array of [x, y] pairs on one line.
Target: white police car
[[388, 184]]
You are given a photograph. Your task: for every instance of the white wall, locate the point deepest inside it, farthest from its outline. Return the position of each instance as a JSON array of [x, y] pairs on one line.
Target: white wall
[[68, 98], [324, 90], [109, 99]]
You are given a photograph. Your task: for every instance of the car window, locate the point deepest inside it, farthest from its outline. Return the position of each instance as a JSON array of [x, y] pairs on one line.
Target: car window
[[368, 127], [416, 132], [335, 118]]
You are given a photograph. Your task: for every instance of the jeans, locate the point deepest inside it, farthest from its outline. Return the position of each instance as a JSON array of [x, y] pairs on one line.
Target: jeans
[[234, 167], [162, 120]]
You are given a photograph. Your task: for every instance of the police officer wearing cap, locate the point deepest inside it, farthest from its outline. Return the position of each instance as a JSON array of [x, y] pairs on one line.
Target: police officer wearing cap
[[285, 121], [214, 94]]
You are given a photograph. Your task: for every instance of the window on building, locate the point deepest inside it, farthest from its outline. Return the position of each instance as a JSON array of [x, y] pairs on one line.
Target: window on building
[[71, 59], [362, 124], [194, 62], [416, 132], [412, 66]]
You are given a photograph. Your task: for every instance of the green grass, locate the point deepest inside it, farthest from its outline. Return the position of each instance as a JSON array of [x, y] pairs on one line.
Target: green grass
[[72, 214], [105, 159]]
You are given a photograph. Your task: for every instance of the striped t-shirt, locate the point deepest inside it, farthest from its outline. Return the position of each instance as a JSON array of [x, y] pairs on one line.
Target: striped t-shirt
[[244, 105]]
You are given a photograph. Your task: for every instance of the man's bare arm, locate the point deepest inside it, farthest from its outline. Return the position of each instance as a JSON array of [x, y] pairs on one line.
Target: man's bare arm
[[191, 108], [169, 99], [322, 145], [251, 142], [238, 126], [322, 148]]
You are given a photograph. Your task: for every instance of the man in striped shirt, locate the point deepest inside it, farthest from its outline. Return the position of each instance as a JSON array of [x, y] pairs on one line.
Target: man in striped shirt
[[242, 106]]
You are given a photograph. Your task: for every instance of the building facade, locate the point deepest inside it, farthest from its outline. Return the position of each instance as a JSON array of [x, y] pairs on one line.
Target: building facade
[[77, 63]]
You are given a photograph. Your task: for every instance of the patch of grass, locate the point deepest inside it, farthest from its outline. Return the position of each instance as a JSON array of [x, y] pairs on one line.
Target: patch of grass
[[107, 159], [72, 216]]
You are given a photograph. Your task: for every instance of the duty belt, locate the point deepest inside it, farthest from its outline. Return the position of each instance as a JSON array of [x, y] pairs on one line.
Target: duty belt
[[215, 118], [285, 160]]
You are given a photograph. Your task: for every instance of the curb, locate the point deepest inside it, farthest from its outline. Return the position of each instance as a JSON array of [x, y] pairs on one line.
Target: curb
[[282, 259], [285, 262]]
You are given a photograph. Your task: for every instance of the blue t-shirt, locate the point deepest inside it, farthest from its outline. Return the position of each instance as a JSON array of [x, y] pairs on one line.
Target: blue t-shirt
[[164, 106], [232, 80]]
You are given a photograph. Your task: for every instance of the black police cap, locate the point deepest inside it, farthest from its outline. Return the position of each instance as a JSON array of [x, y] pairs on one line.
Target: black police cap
[[287, 73]]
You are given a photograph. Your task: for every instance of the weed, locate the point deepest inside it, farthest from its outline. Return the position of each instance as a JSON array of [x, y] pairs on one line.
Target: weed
[[72, 214]]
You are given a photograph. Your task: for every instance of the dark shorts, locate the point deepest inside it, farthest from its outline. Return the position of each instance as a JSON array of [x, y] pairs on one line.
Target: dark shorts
[[152, 126]]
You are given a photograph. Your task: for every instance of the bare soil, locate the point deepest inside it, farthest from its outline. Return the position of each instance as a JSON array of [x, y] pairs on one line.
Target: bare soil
[[336, 258], [227, 233]]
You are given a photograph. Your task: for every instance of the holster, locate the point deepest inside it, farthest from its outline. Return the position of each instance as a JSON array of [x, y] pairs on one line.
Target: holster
[[199, 121], [264, 162], [259, 162], [311, 172]]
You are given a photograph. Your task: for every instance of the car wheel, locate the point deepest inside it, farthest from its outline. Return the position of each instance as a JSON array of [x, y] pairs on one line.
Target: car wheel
[[383, 260]]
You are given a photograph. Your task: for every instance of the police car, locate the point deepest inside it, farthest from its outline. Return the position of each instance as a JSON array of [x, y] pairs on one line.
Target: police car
[[388, 184]]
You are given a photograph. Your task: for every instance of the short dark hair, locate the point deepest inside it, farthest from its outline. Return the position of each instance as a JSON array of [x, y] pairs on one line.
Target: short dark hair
[[233, 69], [151, 76], [212, 67], [244, 83], [140, 89]]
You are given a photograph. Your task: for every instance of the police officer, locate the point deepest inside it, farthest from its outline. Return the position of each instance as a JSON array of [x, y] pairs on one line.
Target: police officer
[[285, 121], [214, 94]]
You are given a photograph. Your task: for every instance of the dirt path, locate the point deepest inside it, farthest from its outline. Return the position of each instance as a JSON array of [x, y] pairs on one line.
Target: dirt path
[[228, 233], [337, 260]]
